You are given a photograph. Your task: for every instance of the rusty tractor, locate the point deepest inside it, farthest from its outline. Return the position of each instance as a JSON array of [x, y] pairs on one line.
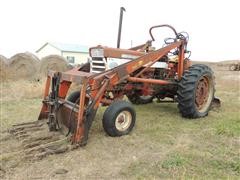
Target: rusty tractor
[[140, 73]]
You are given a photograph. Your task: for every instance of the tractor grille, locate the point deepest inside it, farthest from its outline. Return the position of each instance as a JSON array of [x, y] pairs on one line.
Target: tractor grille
[[98, 65]]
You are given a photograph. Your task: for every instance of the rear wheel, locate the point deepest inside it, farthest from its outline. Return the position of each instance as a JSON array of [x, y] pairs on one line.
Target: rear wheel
[[119, 118], [196, 91], [136, 98]]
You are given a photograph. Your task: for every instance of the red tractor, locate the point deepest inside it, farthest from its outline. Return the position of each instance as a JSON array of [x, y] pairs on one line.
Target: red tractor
[[140, 73]]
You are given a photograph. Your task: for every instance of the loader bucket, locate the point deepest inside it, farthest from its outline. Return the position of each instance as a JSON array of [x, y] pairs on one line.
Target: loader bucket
[[66, 117], [72, 119], [66, 121]]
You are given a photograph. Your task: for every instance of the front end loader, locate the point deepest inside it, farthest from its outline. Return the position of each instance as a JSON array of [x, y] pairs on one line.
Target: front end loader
[[142, 75]]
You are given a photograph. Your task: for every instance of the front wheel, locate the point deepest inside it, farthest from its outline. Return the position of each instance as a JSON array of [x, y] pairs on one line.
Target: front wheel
[[119, 118], [196, 91]]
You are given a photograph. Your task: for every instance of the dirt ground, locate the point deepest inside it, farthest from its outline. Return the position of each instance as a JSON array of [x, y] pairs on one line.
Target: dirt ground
[[163, 145]]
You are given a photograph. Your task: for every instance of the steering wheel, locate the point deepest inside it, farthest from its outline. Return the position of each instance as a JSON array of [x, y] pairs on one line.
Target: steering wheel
[[163, 25]]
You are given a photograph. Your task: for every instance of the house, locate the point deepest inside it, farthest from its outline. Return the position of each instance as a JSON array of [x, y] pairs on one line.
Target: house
[[73, 53]]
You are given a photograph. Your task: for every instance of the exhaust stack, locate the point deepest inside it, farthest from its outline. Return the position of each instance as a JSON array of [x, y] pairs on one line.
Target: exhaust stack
[[120, 26]]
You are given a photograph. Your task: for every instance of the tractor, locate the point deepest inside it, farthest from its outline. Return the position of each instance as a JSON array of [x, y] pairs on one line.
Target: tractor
[[234, 67], [142, 74]]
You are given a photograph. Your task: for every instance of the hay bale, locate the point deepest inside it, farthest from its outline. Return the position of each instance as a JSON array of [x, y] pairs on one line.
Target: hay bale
[[23, 66], [53, 62], [3, 68]]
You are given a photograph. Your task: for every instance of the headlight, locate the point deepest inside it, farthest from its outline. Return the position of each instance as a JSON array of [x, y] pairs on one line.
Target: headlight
[[97, 52]]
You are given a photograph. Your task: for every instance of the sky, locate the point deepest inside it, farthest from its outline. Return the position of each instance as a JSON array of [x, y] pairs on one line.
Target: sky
[[213, 25]]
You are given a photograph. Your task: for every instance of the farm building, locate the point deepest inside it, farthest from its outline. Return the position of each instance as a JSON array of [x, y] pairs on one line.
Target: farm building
[[73, 53]]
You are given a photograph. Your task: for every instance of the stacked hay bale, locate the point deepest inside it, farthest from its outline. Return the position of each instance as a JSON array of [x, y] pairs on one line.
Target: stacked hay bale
[[52, 62], [3, 68], [23, 66]]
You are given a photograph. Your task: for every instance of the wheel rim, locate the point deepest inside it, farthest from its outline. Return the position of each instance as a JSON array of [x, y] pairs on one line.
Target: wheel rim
[[123, 120], [204, 94]]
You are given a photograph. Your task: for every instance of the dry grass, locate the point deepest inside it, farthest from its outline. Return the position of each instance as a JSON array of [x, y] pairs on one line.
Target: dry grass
[[21, 90], [163, 145]]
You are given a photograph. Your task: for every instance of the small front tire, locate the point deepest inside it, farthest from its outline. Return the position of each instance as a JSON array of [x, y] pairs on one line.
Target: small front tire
[[119, 118]]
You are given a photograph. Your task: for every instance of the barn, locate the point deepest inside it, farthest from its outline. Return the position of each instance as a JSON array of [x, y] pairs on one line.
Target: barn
[[73, 53]]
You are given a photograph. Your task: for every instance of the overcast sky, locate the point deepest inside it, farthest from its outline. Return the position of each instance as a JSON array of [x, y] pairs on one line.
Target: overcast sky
[[213, 25]]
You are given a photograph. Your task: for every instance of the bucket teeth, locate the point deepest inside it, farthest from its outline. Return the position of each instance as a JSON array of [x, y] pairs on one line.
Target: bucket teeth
[[22, 136], [24, 126], [31, 145], [26, 123], [31, 141], [34, 141], [22, 131]]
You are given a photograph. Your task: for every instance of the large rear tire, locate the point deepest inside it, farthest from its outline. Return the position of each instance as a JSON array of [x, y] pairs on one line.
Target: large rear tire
[[119, 118], [196, 91]]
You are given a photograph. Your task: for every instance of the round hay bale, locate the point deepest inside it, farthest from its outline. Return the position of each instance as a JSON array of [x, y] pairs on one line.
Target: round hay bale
[[3, 68], [52, 62], [23, 66]]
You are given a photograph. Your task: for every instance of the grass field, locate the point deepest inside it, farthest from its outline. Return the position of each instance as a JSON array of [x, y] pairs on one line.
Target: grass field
[[163, 145]]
